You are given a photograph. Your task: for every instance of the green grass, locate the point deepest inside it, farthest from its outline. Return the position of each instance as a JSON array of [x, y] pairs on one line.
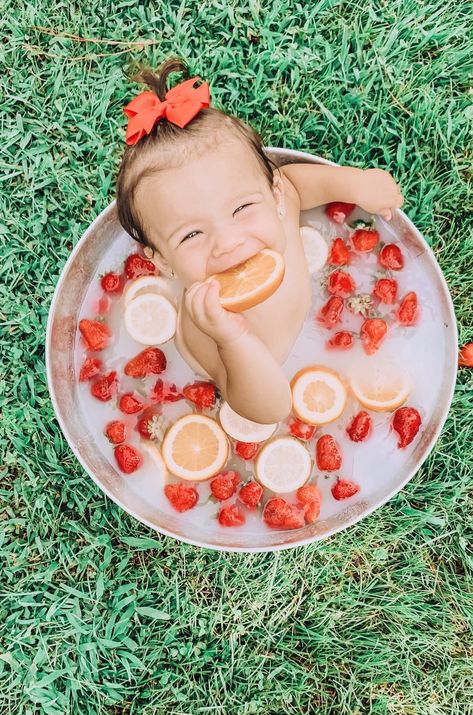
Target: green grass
[[97, 613]]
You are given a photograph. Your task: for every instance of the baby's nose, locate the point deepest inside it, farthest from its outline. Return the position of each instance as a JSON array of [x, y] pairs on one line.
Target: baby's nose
[[227, 241]]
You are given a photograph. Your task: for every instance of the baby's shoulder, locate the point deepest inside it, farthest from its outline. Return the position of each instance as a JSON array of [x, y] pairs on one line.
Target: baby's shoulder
[[291, 195]]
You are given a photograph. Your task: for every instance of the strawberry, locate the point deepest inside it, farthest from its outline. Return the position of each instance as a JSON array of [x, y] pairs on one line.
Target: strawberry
[[339, 253], [149, 361], [341, 283], [116, 432], [231, 516], [111, 283], [95, 334], [360, 427], [365, 239], [391, 257], [181, 496], [247, 450], [203, 394], [136, 265], [465, 356], [386, 290], [224, 485], [338, 211], [90, 368], [406, 422], [408, 311], [250, 494], [330, 313], [343, 489], [130, 404], [163, 392], [146, 422], [278, 514], [327, 453], [104, 387], [128, 458], [372, 333], [103, 305], [309, 498], [341, 341], [301, 429]]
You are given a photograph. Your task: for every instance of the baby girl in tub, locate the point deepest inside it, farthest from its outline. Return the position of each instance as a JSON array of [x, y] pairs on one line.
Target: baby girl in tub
[[196, 187]]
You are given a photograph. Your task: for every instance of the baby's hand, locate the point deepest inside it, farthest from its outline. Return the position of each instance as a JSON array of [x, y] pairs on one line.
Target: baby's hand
[[202, 302], [378, 193]]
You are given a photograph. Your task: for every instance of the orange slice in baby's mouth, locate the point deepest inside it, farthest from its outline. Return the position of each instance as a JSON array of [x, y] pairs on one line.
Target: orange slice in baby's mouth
[[252, 281]]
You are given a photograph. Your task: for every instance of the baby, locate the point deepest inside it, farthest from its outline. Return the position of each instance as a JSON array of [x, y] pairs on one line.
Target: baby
[[196, 187]]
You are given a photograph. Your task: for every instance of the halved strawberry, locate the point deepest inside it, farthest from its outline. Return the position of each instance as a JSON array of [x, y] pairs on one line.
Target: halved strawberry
[[116, 432], [105, 386], [391, 257], [408, 312], [147, 422], [128, 458], [365, 239], [386, 290], [406, 422], [95, 334], [247, 450], [465, 356], [181, 496], [301, 429], [360, 427], [203, 394], [165, 392], [129, 404], [111, 282], [90, 368], [147, 362], [372, 333], [330, 313], [231, 516], [310, 502], [328, 454], [279, 514], [340, 283], [344, 489], [337, 211], [339, 253], [250, 494], [136, 265], [342, 340], [225, 484]]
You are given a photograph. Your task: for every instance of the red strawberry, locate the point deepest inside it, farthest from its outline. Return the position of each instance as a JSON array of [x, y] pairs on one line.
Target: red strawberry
[[103, 305], [301, 429], [343, 489], [90, 368], [145, 422], [330, 313], [341, 341], [309, 498], [128, 458], [116, 432], [250, 494], [406, 422], [203, 394], [360, 427], [224, 485], [391, 257], [231, 516], [149, 361], [111, 283], [104, 387], [341, 283], [181, 496], [278, 514], [365, 239], [327, 453], [465, 356], [130, 404], [339, 253], [372, 333], [163, 392], [338, 211], [408, 311], [386, 290], [247, 450], [95, 334], [136, 265]]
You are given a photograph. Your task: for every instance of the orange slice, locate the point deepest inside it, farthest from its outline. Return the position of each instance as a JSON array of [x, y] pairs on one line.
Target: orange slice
[[283, 465], [251, 282], [242, 429], [149, 284], [318, 395], [195, 448], [382, 387], [150, 319]]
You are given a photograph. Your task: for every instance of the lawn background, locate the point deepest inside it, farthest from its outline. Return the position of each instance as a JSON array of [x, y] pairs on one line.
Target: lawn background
[[97, 613]]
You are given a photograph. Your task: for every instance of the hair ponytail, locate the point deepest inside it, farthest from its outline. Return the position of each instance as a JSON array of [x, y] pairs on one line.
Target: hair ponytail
[[158, 81]]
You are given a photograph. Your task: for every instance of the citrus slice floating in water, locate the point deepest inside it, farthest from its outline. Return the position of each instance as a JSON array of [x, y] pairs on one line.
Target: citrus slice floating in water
[[283, 465], [195, 448], [318, 395], [251, 282], [382, 387], [150, 319], [315, 248], [149, 284], [241, 429]]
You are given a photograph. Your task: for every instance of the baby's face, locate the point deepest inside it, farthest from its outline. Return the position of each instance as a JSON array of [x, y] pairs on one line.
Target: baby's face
[[212, 213]]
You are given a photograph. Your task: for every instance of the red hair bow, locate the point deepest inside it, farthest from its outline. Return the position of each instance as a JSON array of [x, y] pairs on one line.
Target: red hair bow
[[181, 104]]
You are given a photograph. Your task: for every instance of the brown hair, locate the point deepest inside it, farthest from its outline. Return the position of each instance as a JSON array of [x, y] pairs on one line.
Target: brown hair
[[168, 146]]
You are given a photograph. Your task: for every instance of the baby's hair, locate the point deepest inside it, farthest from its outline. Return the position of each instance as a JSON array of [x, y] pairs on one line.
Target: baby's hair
[[168, 146]]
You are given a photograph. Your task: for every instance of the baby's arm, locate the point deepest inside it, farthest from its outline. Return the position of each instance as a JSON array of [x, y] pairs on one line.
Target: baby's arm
[[373, 189], [249, 377]]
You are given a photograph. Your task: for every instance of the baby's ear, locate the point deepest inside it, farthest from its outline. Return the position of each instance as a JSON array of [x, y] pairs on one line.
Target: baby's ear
[[161, 264], [279, 192]]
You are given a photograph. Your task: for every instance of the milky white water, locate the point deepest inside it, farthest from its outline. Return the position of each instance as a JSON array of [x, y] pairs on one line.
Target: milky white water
[[419, 350]]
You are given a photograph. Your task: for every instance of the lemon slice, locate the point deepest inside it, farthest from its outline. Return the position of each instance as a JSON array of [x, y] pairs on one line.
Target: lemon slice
[[283, 465], [155, 454], [195, 448], [149, 284], [383, 387], [150, 319], [318, 395], [242, 429], [315, 248]]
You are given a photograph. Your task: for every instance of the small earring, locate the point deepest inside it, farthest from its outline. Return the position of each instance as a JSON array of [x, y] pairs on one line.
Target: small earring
[[282, 211], [171, 275]]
